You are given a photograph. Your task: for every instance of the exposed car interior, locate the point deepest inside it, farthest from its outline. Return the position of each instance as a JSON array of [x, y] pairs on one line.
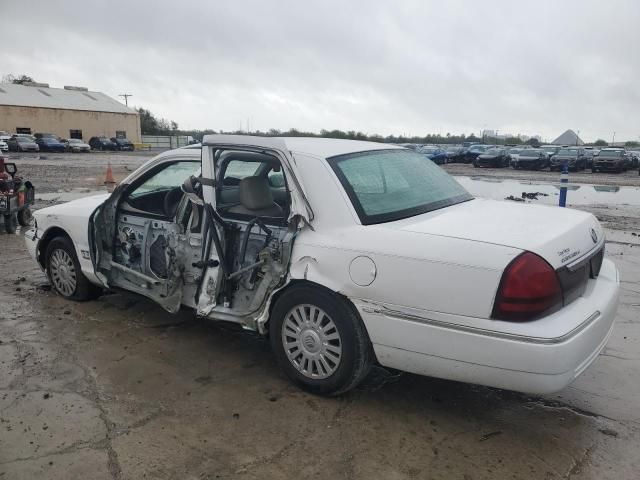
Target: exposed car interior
[[252, 185], [164, 240], [252, 207]]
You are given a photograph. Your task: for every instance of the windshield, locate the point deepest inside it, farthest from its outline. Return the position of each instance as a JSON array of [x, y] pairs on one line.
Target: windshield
[[23, 140], [428, 150], [611, 153], [550, 149], [388, 185], [493, 151], [74, 140], [568, 153], [477, 148]]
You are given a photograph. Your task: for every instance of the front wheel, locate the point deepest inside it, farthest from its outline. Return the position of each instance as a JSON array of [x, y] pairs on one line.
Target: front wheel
[[319, 340], [65, 275]]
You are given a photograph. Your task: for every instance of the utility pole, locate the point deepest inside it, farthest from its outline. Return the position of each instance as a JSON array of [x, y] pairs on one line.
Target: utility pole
[[126, 97], [613, 139]]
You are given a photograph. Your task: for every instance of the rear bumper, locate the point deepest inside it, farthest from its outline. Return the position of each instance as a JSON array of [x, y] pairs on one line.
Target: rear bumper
[[531, 364]]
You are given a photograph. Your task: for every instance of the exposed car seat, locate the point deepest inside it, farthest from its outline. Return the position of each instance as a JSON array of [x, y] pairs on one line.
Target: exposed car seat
[[256, 199]]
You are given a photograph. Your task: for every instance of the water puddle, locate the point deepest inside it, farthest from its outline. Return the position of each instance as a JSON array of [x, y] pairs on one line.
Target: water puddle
[[578, 195]]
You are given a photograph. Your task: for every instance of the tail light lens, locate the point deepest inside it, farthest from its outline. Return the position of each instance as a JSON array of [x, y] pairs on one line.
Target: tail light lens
[[529, 289]]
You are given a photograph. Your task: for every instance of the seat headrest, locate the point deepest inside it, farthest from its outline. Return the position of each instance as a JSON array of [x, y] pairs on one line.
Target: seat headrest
[[255, 193]]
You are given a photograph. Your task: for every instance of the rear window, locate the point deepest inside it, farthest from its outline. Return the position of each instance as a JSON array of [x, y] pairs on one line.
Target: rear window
[[387, 185]]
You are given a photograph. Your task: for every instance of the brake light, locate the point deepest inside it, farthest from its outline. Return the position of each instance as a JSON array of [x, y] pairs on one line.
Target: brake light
[[528, 289]]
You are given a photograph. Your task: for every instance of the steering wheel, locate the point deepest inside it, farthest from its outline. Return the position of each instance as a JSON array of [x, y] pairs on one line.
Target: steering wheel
[[171, 200]]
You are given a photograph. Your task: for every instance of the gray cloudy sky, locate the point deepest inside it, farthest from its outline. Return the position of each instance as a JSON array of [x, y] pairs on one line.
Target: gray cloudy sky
[[385, 67]]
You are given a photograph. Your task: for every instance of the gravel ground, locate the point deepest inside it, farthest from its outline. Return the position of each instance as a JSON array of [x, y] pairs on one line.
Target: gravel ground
[[119, 389]]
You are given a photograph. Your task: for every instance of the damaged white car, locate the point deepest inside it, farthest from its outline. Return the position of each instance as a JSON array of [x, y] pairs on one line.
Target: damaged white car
[[346, 253]]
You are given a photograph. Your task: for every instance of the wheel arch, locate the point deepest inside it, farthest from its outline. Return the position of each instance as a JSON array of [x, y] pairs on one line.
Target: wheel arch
[[50, 234], [297, 283]]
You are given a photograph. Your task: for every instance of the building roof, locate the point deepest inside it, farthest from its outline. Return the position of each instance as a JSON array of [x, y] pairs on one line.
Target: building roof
[[319, 147], [568, 138], [70, 98]]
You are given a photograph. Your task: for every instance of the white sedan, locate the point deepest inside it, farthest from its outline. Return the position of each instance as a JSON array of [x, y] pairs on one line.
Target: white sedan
[[346, 253]]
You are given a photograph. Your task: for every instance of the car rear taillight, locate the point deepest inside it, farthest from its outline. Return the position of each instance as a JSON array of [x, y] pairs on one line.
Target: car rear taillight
[[529, 288]]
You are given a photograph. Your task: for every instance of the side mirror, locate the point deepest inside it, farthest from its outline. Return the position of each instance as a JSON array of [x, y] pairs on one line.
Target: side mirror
[[10, 168]]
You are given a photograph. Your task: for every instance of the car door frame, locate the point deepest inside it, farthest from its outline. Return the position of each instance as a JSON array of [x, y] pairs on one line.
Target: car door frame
[[103, 228], [300, 212]]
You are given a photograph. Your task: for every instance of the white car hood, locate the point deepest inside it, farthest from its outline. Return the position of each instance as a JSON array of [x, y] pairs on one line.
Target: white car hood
[[80, 208], [559, 235]]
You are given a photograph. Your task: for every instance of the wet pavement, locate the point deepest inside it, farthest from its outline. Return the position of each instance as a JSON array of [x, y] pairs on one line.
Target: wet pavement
[[117, 388]]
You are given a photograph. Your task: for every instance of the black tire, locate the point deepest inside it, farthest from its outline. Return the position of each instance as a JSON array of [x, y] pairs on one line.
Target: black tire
[[10, 223], [356, 356], [24, 217], [84, 290]]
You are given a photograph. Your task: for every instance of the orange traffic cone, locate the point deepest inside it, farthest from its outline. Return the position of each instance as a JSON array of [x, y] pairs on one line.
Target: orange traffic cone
[[109, 177]]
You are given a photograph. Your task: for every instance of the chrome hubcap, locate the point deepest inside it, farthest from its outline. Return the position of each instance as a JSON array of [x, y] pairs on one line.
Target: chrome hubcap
[[63, 272], [311, 341]]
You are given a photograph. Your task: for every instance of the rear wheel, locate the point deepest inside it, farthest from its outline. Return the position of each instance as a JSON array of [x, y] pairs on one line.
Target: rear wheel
[[319, 340], [10, 223], [64, 271], [24, 217]]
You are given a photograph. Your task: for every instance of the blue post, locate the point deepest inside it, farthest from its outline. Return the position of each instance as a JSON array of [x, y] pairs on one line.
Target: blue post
[[564, 178]]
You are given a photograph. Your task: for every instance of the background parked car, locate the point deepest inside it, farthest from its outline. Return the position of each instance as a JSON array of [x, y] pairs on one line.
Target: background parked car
[[75, 145], [514, 153], [102, 143], [531, 159], [574, 157], [610, 159], [455, 154], [50, 144], [494, 157], [635, 159], [123, 144], [22, 144], [435, 154], [3, 146], [25, 135], [551, 150], [589, 154], [46, 135], [473, 151]]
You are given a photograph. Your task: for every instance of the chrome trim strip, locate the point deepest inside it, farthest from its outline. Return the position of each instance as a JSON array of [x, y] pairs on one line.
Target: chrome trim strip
[[481, 331]]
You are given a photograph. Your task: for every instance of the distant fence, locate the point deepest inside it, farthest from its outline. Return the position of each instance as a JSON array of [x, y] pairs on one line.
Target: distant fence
[[166, 142]]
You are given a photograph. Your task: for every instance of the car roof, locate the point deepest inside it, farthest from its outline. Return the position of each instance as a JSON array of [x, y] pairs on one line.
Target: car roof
[[319, 147]]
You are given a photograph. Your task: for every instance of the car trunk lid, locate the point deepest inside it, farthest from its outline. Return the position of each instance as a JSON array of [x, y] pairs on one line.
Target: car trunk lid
[[562, 236]]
